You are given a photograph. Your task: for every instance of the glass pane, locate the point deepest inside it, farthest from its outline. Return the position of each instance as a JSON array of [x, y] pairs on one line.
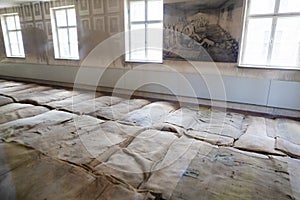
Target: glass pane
[[64, 50], [256, 45], [73, 35], [11, 23], [261, 6], [18, 26], [15, 50], [286, 45], [21, 46], [289, 6], [74, 50], [155, 10], [63, 35], [137, 42], [13, 37], [61, 17], [71, 17], [137, 11], [154, 41]]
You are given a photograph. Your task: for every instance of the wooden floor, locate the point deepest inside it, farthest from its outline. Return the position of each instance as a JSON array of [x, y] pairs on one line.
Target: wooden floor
[[63, 144]]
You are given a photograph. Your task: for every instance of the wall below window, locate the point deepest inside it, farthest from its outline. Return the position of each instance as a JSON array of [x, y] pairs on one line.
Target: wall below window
[[245, 90]]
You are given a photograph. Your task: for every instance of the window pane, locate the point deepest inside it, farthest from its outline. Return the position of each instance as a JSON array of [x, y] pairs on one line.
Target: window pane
[[64, 50], [261, 6], [13, 37], [18, 25], [71, 17], [155, 10], [73, 35], [286, 45], [61, 17], [137, 39], [74, 50], [256, 45], [11, 23], [63, 35], [289, 6], [15, 49], [154, 41], [137, 11]]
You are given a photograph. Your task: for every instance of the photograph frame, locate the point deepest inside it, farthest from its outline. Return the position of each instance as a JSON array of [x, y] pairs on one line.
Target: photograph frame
[[40, 25], [28, 15], [98, 6], [20, 12], [85, 23], [84, 7], [114, 24], [112, 6], [47, 5], [37, 11], [49, 30], [99, 23]]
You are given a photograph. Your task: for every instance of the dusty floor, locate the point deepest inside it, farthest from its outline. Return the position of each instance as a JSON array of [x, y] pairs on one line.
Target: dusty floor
[[63, 144]]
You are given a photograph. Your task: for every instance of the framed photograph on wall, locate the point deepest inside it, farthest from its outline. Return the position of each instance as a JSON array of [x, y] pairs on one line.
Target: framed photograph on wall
[[113, 6], [98, 7], [113, 24], [99, 24], [27, 12], [46, 9], [69, 2], [40, 25], [37, 11], [85, 24], [29, 25], [49, 30], [20, 11], [83, 7]]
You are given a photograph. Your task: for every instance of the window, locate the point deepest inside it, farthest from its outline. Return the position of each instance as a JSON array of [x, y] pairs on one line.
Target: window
[[271, 36], [144, 30], [12, 34], [64, 26]]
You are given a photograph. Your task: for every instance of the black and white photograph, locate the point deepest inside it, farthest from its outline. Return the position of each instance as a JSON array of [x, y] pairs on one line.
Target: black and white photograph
[[99, 24], [113, 6], [114, 24], [27, 12], [39, 25], [46, 9], [37, 11], [83, 6], [49, 30], [20, 12], [212, 27], [98, 6], [86, 24]]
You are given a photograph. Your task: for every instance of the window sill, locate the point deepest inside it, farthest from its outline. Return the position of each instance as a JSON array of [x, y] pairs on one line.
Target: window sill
[[262, 67]]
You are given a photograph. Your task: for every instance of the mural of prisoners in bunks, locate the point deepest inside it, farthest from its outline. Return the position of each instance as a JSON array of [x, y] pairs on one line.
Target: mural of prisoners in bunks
[[214, 26]]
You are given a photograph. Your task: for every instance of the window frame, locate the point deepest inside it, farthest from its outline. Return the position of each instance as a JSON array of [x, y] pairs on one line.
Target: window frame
[[274, 16], [128, 30], [55, 28], [6, 37]]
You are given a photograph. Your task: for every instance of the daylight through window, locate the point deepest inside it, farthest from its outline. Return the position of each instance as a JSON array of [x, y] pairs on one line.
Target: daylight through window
[[144, 30], [271, 36], [65, 38], [12, 34]]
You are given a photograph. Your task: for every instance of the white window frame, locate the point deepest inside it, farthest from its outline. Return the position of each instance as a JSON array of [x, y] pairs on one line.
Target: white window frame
[[7, 39], [56, 39], [128, 24], [274, 17]]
